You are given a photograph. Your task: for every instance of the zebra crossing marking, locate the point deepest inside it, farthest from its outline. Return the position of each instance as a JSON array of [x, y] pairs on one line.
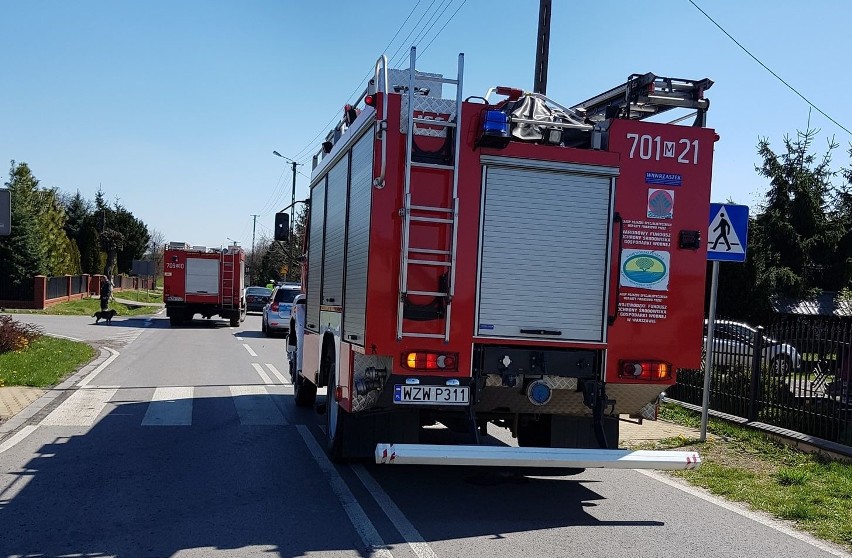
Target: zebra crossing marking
[[255, 407], [170, 406], [277, 374], [81, 409]]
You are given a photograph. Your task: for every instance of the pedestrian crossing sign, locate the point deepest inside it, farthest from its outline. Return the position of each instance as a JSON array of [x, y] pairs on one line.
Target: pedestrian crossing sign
[[727, 235]]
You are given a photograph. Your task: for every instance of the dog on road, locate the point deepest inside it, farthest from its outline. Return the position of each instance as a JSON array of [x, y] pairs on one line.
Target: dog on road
[[104, 315]]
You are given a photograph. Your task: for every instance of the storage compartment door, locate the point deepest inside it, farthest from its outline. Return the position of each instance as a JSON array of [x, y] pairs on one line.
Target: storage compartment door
[[202, 276], [544, 248]]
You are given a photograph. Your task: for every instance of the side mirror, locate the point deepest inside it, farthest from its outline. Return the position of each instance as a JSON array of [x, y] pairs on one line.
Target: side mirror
[[282, 227]]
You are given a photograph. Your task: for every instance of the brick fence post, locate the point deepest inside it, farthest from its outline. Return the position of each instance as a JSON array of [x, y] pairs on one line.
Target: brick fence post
[[68, 288], [40, 294], [86, 279]]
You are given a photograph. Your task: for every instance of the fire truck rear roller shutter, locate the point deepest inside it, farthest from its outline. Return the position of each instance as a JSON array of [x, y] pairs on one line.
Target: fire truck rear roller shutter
[[545, 241], [335, 232], [358, 238], [315, 255]]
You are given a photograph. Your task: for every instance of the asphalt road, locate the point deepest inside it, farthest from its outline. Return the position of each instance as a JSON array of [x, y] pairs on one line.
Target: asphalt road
[[188, 444]]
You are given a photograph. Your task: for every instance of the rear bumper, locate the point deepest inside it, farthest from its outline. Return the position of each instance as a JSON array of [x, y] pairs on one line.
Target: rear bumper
[[505, 456]]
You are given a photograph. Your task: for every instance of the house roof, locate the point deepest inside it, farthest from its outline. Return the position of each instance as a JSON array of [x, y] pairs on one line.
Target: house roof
[[827, 304]]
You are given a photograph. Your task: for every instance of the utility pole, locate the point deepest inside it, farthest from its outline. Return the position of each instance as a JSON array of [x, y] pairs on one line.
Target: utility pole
[[253, 226], [542, 49], [291, 248]]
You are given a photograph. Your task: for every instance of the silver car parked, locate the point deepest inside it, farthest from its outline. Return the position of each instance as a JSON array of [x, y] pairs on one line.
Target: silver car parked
[[276, 314], [733, 344]]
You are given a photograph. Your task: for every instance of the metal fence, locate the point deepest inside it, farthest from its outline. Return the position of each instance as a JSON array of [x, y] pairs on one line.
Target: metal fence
[[57, 287], [79, 284], [793, 373], [21, 291]]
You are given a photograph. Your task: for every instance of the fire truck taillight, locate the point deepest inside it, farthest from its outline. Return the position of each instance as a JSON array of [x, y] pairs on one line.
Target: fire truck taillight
[[370, 101], [650, 370], [423, 360]]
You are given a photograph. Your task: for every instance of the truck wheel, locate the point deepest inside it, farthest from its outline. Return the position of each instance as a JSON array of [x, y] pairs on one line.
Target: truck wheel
[[235, 322], [335, 417], [175, 321], [304, 392]]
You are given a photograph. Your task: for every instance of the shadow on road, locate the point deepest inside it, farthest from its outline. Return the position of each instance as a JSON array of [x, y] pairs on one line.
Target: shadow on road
[[123, 489]]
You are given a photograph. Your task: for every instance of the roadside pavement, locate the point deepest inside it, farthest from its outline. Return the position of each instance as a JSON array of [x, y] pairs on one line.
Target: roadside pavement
[[14, 399]]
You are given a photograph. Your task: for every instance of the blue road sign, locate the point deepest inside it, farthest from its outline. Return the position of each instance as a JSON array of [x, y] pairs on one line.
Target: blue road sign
[[727, 235]]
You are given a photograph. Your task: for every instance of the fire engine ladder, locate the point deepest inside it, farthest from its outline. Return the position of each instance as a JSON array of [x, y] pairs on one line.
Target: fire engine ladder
[[227, 280], [645, 95], [413, 256]]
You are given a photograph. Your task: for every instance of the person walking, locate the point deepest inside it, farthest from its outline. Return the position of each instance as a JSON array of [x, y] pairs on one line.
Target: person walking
[[106, 293]]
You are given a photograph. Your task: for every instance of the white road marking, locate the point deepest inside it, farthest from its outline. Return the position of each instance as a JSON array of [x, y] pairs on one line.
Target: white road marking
[[263, 375], [748, 514], [250, 351], [17, 437], [277, 374], [366, 530], [170, 406], [81, 409], [256, 407], [410, 533], [239, 338], [63, 337], [91, 375]]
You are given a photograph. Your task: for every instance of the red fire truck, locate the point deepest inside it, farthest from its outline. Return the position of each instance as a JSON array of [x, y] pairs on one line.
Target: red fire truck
[[510, 261], [198, 280]]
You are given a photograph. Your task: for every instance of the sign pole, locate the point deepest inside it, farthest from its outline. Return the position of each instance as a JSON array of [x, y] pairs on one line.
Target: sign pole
[[708, 350]]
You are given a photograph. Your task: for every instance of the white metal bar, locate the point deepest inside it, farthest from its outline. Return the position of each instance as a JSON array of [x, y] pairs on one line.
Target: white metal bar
[[427, 262], [506, 456], [431, 166], [430, 220], [429, 251], [406, 218], [379, 181], [426, 293], [434, 122], [455, 233], [424, 335], [435, 209]]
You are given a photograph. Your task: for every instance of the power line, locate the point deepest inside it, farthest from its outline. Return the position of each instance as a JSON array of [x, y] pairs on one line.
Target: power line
[[433, 21], [301, 153], [404, 42], [422, 52], [790, 87]]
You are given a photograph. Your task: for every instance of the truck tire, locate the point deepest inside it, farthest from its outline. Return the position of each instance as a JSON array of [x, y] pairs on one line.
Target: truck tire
[[175, 321], [336, 419], [235, 322], [304, 392]]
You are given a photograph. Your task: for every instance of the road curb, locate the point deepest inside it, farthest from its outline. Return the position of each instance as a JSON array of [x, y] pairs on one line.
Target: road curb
[[22, 416]]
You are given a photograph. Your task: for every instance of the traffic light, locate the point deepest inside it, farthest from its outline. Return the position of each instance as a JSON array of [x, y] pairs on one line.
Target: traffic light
[[282, 226]]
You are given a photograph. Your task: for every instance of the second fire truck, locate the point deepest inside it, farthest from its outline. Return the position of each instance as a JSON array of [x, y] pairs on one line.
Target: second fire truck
[[503, 259]]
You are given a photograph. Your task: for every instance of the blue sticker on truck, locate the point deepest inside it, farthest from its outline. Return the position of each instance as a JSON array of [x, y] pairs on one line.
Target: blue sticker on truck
[[664, 178]]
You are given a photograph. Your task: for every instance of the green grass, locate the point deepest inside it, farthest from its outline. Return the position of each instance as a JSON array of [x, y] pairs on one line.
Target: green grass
[[141, 296], [44, 363], [87, 307], [747, 466]]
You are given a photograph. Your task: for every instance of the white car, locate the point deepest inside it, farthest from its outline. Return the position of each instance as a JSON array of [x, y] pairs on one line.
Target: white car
[[276, 314], [733, 345]]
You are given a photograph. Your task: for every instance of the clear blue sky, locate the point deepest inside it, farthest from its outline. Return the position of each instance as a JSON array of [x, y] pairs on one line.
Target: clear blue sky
[[175, 108]]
